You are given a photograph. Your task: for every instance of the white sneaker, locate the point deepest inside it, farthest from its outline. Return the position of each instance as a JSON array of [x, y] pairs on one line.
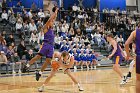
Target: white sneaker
[[81, 67], [87, 68], [80, 88], [95, 67], [128, 79], [123, 81], [19, 72], [98, 64], [75, 68], [91, 67], [41, 89], [13, 72]]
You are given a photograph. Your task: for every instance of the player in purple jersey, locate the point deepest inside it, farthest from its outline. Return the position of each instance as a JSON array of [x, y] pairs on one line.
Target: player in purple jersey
[[135, 35], [117, 55], [47, 48]]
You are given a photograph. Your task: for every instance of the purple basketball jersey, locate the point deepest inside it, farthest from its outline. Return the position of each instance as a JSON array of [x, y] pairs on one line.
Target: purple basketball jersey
[[47, 48], [138, 51], [138, 41]]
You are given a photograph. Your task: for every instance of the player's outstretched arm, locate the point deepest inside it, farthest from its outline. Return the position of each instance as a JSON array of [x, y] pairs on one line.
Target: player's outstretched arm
[[50, 21]]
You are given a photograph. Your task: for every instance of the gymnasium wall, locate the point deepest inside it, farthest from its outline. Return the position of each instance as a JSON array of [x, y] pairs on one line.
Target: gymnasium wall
[[131, 3], [113, 4], [139, 5], [86, 3], [27, 3]]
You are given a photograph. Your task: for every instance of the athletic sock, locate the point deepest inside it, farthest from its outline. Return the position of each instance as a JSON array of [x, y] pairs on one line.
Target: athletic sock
[[78, 85], [40, 72]]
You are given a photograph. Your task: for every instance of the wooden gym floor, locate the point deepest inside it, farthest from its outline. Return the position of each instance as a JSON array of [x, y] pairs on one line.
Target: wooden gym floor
[[103, 80]]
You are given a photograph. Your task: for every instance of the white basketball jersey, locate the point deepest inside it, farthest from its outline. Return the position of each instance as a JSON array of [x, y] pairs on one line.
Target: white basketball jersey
[[67, 62]]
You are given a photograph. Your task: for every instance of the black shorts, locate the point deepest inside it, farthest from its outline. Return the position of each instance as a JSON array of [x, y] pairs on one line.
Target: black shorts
[[138, 64]]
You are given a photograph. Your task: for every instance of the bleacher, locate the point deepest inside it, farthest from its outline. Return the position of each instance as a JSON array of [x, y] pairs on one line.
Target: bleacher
[[100, 50]]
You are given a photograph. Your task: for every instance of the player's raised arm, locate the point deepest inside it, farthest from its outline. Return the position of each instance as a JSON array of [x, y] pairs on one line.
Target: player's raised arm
[[48, 22], [129, 40]]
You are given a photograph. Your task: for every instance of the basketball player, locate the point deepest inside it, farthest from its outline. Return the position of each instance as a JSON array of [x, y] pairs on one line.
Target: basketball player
[[47, 48], [132, 64], [117, 55], [64, 60], [135, 35]]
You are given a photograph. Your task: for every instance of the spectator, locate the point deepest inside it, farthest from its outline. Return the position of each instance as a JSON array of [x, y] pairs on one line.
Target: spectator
[[34, 37], [80, 16], [64, 29], [19, 28], [39, 23], [41, 14], [35, 17], [12, 22], [19, 18], [40, 37], [74, 8], [57, 41], [10, 52], [117, 38], [3, 60], [19, 4], [86, 42], [32, 26], [4, 17], [78, 32], [34, 7], [3, 45], [29, 55], [4, 5], [21, 49], [47, 13], [10, 40], [71, 33], [25, 16], [15, 59], [121, 39], [4, 35], [26, 28], [30, 13], [10, 11]]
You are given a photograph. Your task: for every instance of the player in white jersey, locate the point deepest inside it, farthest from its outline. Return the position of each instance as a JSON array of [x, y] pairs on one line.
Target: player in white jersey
[[64, 60]]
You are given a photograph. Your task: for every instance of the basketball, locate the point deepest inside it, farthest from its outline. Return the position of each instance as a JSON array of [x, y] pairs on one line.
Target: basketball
[[55, 65]]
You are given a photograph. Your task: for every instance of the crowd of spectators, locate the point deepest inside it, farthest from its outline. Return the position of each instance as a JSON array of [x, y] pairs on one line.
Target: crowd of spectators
[[76, 32]]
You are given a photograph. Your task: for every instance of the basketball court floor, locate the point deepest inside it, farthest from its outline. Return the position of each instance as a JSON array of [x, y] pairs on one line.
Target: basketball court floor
[[102, 80]]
